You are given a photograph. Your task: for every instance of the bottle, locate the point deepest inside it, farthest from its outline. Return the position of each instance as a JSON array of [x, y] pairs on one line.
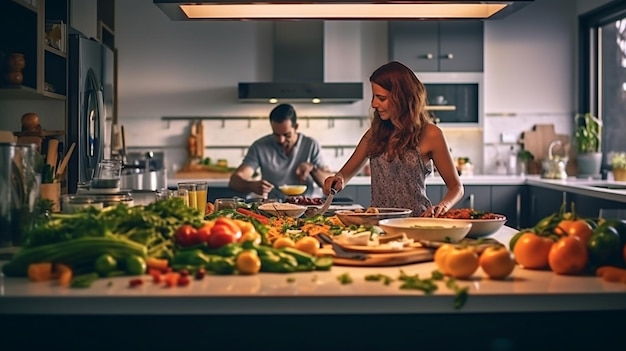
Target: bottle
[[512, 161]]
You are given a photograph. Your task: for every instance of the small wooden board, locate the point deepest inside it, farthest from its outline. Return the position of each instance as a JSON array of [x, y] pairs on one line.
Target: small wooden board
[[414, 255]]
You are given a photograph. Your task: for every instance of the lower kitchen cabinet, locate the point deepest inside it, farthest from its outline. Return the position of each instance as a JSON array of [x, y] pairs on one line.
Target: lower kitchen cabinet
[[435, 193], [477, 197], [222, 192], [511, 201], [587, 206], [360, 194], [544, 202]]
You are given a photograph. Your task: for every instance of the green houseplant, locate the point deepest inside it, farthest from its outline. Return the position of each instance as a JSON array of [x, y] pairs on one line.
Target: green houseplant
[[588, 139], [618, 162]]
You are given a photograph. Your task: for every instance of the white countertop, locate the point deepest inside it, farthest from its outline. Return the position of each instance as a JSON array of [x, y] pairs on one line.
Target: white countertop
[[316, 293]]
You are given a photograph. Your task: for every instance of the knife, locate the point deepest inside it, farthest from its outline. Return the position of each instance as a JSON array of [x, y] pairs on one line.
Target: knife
[[340, 252]]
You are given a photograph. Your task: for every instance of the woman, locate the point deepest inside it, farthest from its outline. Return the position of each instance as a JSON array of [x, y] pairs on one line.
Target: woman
[[399, 145]]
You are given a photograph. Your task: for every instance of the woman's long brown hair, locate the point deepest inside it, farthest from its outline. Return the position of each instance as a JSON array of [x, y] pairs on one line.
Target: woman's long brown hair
[[407, 102]]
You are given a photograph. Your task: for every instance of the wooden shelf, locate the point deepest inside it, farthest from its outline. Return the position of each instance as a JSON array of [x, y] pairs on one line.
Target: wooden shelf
[[43, 133]]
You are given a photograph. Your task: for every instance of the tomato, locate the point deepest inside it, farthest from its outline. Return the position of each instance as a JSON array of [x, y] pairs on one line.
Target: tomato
[[568, 256], [579, 228], [309, 245], [283, 242], [440, 257], [135, 265], [204, 232], [461, 262], [186, 235], [248, 262], [225, 231], [496, 262], [605, 247], [105, 264], [221, 236], [531, 250]]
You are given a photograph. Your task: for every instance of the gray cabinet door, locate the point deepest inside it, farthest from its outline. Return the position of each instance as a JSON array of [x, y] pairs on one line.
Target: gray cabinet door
[[415, 44], [350, 191], [511, 201], [222, 192], [589, 207], [476, 197], [364, 195], [434, 193], [437, 46], [461, 46], [544, 202]]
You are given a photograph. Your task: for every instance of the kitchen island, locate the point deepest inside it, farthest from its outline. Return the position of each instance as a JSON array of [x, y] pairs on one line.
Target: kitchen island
[[500, 310]]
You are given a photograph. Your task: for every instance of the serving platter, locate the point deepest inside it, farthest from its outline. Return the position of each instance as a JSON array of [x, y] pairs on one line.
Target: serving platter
[[382, 248], [415, 255]]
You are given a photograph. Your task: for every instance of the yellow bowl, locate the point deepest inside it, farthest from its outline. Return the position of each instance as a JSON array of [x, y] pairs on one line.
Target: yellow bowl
[[292, 190]]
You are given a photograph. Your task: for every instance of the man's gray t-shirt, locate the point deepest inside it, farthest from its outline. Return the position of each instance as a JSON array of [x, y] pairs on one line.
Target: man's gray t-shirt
[[267, 156]]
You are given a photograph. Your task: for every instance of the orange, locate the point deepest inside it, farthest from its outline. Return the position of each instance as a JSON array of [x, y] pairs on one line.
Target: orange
[[578, 227], [531, 251], [440, 256], [308, 244], [461, 262], [496, 262], [283, 242], [568, 256]]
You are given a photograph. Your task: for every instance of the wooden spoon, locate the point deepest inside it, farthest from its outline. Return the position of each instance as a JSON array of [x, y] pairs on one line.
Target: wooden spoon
[[65, 160]]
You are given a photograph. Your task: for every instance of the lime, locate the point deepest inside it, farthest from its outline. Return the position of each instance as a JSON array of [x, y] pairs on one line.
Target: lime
[[135, 265], [105, 264]]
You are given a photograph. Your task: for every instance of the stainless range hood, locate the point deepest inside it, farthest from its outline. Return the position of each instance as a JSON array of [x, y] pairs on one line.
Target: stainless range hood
[[298, 69], [337, 9]]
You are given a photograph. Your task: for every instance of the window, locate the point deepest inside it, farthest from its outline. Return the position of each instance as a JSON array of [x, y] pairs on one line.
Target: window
[[602, 35]]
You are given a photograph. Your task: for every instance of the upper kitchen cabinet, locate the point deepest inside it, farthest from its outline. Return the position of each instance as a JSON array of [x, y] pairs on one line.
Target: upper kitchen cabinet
[[38, 34], [95, 19], [437, 46], [106, 22]]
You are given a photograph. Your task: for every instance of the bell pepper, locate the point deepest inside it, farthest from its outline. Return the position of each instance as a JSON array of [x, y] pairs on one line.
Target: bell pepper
[[604, 247]]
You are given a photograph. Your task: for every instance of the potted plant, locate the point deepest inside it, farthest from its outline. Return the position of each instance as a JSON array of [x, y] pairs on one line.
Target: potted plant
[[588, 138], [618, 162]]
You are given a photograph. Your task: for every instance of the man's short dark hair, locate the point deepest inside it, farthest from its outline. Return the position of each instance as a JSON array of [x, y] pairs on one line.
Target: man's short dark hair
[[282, 113]]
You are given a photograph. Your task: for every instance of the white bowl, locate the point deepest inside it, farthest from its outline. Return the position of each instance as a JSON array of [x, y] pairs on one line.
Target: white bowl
[[426, 228], [278, 209], [292, 190], [484, 227], [349, 218]]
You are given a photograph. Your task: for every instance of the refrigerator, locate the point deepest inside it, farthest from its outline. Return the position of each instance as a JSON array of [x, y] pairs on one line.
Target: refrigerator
[[91, 80]]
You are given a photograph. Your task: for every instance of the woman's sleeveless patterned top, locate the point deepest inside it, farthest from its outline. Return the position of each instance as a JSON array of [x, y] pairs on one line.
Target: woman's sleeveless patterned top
[[400, 183]]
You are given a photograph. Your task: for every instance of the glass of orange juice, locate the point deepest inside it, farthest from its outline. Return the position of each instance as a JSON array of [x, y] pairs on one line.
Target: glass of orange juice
[[191, 193], [202, 189]]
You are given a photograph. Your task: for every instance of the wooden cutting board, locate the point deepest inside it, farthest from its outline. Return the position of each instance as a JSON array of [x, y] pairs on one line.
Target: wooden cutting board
[[409, 256], [537, 140]]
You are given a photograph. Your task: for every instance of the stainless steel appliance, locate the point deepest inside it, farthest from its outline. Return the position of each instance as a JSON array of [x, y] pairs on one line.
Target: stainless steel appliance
[[90, 106]]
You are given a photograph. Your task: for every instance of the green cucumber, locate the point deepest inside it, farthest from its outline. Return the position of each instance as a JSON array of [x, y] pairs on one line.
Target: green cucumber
[[75, 253]]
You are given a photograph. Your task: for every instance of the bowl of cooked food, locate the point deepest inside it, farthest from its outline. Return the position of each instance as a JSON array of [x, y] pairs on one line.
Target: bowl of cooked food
[[371, 216], [278, 209], [293, 190], [427, 228], [483, 223]]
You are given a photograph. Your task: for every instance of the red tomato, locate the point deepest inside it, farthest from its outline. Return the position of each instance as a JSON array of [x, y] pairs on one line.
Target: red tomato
[[204, 232], [221, 235], [186, 235]]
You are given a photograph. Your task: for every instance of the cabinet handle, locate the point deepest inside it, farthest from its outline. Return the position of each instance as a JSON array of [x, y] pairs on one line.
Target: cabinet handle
[[429, 56], [471, 198], [518, 210], [449, 56]]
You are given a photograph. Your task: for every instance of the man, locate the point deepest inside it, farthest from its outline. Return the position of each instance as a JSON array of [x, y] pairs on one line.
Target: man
[[284, 157]]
